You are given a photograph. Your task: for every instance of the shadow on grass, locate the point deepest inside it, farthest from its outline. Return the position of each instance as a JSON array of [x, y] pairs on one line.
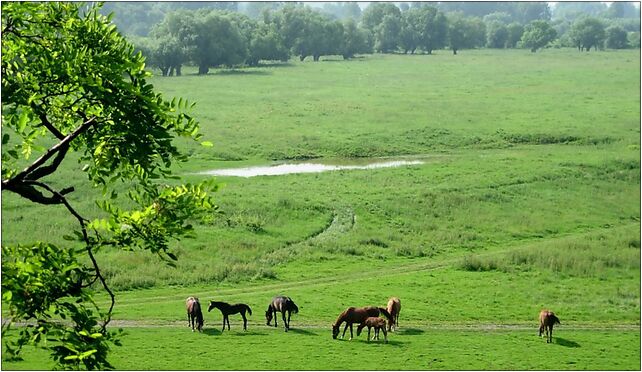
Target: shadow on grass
[[566, 343], [410, 331], [211, 331], [275, 64], [301, 331], [241, 72]]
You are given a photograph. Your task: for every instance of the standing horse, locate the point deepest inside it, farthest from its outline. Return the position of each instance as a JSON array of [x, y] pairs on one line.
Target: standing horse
[[194, 313], [356, 315], [227, 310], [546, 321], [376, 323], [283, 304], [394, 307]]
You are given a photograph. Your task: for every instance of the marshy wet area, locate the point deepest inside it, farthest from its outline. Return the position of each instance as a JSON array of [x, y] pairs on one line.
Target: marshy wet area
[[311, 167]]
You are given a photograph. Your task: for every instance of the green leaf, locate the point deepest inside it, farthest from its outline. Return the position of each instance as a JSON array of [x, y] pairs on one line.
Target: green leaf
[[207, 144]]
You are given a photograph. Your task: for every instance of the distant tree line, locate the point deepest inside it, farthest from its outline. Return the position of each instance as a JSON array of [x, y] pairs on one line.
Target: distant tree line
[[231, 34]]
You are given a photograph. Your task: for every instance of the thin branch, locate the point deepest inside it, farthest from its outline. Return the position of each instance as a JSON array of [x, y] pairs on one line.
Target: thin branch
[[83, 227], [62, 146]]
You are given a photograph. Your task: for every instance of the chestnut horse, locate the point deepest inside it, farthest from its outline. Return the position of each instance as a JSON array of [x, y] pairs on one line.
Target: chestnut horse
[[281, 304], [394, 307], [356, 315], [546, 321], [376, 323], [194, 313]]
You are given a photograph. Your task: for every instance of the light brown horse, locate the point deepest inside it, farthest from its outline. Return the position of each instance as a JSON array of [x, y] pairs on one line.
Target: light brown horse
[[281, 304], [194, 313], [546, 321], [394, 307], [356, 315], [376, 323]]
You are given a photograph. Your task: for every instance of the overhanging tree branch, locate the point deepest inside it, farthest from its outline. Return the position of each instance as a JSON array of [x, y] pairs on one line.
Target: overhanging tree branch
[[34, 171], [88, 245]]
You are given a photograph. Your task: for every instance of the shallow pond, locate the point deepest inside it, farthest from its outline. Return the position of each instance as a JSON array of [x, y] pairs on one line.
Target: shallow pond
[[291, 168]]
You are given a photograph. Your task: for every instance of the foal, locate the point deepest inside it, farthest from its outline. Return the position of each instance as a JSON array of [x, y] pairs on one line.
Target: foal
[[376, 323], [227, 310], [546, 321]]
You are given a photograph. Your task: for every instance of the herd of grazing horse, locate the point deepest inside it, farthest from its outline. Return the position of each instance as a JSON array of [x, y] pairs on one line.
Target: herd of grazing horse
[[368, 316]]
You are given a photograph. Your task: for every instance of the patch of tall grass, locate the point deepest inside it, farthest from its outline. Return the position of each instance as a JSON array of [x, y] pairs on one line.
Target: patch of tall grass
[[589, 256]]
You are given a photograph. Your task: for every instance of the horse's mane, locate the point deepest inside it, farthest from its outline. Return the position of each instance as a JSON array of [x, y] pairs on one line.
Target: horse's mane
[[385, 313], [343, 315]]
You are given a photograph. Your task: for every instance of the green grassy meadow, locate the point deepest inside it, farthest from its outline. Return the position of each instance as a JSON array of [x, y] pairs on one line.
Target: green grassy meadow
[[528, 198]]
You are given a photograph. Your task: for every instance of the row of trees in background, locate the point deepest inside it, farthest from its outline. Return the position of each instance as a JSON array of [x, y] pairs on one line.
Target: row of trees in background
[[220, 35]]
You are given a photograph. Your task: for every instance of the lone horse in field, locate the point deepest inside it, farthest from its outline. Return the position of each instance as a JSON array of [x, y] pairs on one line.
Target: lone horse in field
[[394, 307], [194, 313], [547, 320], [378, 324], [227, 310], [281, 304], [356, 315]]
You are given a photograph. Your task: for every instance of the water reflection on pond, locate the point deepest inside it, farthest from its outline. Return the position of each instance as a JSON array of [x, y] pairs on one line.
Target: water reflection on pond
[[281, 169]]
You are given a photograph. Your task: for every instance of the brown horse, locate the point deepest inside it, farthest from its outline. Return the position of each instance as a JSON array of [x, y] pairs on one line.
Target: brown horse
[[281, 304], [227, 310], [356, 315], [546, 321], [377, 324], [394, 307], [194, 313]]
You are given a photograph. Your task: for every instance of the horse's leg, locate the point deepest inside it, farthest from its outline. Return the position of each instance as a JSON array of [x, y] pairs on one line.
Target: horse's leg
[[351, 335], [551, 335], [289, 315], [244, 321], [344, 330], [275, 322], [285, 323], [368, 339], [385, 335]]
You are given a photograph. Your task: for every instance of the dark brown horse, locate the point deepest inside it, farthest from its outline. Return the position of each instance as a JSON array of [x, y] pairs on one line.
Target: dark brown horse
[[356, 315], [281, 304], [394, 307], [376, 323], [547, 320], [227, 310], [194, 313]]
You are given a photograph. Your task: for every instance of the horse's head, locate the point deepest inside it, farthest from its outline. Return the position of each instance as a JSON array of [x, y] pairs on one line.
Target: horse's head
[[335, 330], [212, 305], [268, 316]]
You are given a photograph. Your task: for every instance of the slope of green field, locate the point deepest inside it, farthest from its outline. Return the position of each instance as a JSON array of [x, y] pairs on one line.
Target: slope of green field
[[528, 197]]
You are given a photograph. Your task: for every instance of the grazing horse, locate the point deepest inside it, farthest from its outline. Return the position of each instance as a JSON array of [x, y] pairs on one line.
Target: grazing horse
[[227, 310], [546, 321], [394, 307], [356, 315], [377, 324], [194, 313], [281, 304]]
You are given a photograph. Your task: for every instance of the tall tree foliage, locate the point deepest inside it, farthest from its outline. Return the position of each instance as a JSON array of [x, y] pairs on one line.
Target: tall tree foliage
[[537, 35], [70, 81]]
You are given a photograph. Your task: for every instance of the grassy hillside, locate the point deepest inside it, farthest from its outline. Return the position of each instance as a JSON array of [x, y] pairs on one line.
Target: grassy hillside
[[528, 197]]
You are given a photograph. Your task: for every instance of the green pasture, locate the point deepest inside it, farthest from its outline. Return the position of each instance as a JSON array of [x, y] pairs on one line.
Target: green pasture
[[528, 197]]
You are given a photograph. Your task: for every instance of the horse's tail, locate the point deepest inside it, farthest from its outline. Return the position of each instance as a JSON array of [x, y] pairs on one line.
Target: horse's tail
[[249, 310], [385, 313], [293, 306]]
